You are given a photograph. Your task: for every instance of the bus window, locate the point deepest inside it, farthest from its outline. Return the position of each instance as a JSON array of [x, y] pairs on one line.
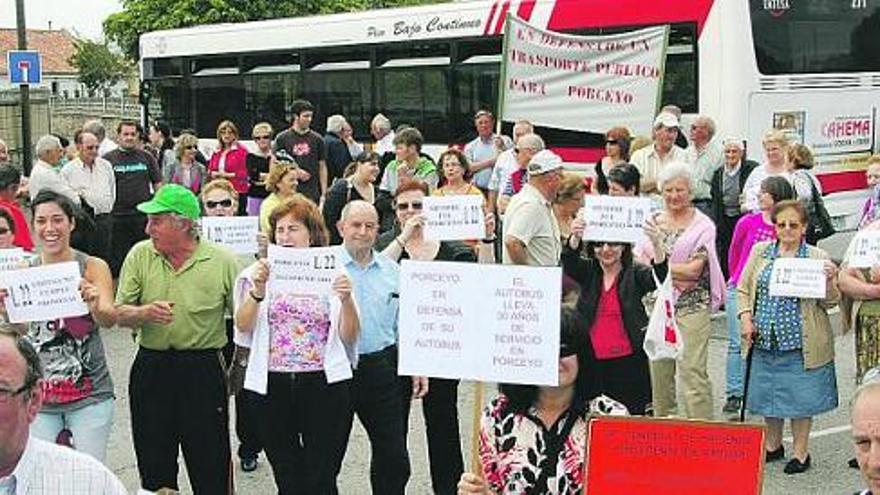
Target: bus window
[[168, 101], [217, 98], [477, 75], [337, 81], [418, 97], [816, 36], [267, 97], [412, 87]]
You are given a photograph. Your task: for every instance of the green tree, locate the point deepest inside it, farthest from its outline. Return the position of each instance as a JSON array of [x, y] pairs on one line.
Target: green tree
[[142, 16], [99, 67]]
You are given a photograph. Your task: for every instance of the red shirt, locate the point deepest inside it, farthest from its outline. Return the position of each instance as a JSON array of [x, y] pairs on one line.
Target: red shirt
[[607, 334], [236, 163], [22, 232]]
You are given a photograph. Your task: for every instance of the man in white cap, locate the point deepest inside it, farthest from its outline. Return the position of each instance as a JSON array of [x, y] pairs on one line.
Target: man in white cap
[[531, 233], [650, 160]]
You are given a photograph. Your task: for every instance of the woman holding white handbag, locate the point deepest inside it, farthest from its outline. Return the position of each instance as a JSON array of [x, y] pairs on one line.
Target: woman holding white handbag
[[613, 314], [688, 241]]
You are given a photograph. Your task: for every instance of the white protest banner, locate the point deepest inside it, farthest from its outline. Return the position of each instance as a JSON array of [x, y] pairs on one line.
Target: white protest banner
[[495, 323], [300, 291], [582, 83], [46, 292], [798, 277], [454, 218], [239, 234], [12, 258], [865, 251], [615, 218]]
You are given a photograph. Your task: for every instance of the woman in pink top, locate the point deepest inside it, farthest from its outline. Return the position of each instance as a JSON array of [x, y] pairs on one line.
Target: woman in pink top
[[750, 229], [230, 162]]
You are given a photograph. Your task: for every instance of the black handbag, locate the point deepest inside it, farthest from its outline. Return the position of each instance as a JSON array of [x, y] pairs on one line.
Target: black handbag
[[820, 224]]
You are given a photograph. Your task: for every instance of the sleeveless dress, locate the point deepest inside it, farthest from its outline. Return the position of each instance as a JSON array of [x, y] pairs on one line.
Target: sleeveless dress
[[72, 353]]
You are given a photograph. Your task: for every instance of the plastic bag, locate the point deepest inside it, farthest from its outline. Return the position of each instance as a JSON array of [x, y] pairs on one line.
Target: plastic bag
[[663, 339]]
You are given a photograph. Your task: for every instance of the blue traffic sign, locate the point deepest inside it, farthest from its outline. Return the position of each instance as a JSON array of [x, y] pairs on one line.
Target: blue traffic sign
[[25, 67]]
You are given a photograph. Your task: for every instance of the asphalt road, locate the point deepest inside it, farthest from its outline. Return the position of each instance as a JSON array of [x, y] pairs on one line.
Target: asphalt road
[[830, 445]]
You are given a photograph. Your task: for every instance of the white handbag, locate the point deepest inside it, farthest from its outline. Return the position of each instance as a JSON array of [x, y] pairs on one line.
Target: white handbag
[[662, 338]]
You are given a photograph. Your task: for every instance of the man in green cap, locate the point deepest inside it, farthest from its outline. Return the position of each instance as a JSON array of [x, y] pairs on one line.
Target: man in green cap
[[176, 288]]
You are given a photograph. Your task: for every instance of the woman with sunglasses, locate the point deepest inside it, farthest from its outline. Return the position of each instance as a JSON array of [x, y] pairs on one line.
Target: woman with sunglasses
[[528, 427], [440, 406], [613, 316], [617, 141], [161, 143], [358, 184], [229, 161], [77, 388], [299, 363], [258, 164], [7, 229], [793, 373], [750, 229], [185, 170], [219, 199]]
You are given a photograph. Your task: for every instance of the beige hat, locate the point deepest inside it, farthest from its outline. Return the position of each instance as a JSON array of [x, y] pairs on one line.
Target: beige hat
[[666, 119]]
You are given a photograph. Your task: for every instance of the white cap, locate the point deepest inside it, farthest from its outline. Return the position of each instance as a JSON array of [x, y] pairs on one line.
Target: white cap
[[666, 119], [544, 161]]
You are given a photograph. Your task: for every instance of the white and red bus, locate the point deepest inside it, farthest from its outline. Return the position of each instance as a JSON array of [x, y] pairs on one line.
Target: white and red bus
[[810, 67]]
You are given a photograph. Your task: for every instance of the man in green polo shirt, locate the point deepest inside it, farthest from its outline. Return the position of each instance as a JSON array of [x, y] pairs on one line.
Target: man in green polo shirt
[[175, 289]]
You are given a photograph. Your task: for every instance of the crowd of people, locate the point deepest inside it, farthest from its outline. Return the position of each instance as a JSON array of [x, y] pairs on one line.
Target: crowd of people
[[127, 212]]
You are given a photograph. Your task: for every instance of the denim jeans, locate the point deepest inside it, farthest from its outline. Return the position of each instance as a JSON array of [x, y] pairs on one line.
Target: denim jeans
[[734, 348], [90, 427]]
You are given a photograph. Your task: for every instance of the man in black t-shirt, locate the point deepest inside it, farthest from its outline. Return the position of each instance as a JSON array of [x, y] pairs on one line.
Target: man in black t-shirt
[[307, 148], [137, 178]]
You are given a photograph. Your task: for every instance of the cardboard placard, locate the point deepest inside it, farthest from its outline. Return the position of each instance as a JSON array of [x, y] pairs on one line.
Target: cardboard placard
[[46, 292], [615, 218], [239, 234], [798, 277], [865, 249], [480, 322], [674, 457], [454, 218], [12, 258]]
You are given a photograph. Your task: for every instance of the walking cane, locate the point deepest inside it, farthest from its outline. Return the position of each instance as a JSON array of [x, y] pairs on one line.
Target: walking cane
[[749, 355]]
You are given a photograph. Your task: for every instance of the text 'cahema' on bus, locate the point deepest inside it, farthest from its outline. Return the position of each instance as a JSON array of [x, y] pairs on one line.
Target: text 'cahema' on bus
[[811, 68]]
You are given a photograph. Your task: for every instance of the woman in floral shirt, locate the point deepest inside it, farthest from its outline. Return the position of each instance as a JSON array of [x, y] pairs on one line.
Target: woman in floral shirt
[[299, 363], [533, 439]]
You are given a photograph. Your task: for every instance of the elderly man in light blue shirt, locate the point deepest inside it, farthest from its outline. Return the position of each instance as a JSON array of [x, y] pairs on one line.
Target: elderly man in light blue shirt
[[485, 148], [376, 389]]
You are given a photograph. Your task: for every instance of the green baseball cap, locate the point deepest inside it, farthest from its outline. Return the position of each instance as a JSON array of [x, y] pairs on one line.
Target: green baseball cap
[[172, 198]]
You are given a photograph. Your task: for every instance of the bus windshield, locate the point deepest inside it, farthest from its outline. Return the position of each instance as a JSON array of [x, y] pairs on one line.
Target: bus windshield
[[816, 36]]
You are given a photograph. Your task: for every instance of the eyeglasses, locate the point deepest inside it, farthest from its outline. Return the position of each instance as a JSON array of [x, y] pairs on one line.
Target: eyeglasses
[[601, 244], [788, 225], [262, 138], [4, 231], [611, 141], [6, 394], [225, 203], [191, 147], [415, 205]]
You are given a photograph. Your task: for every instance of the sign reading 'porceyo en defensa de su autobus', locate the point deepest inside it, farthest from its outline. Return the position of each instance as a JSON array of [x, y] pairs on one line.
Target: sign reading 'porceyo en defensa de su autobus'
[[582, 83], [493, 323]]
